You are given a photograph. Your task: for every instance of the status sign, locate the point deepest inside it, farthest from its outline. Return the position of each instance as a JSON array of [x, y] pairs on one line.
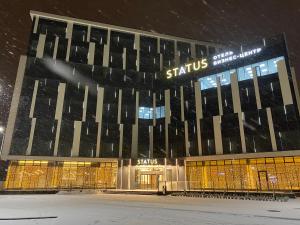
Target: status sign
[[187, 68]]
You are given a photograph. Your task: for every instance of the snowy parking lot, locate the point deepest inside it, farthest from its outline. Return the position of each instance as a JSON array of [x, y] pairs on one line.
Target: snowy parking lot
[[107, 209]]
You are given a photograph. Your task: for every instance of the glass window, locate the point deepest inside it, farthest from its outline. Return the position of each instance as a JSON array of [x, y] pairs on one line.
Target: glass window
[[241, 73], [157, 113], [272, 66], [162, 112], [244, 73], [208, 82], [147, 112], [141, 112], [264, 68], [225, 78], [248, 73]]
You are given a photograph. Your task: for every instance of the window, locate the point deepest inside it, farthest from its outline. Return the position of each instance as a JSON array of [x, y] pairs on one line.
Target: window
[[244, 73], [147, 112], [160, 112]]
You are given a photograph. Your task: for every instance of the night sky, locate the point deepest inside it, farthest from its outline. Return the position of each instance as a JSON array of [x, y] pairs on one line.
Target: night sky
[[231, 22]]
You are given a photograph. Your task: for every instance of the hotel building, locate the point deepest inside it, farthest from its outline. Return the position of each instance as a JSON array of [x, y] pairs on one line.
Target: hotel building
[[102, 106]]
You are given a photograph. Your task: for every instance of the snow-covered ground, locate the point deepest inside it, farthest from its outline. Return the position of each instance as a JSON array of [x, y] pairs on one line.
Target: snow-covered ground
[[107, 209]]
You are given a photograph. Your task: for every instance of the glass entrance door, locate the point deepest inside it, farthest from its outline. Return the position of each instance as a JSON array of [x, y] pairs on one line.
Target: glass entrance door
[[148, 178], [149, 181]]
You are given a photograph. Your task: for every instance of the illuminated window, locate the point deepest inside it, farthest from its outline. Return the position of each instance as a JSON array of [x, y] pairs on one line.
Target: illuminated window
[[147, 112], [244, 73]]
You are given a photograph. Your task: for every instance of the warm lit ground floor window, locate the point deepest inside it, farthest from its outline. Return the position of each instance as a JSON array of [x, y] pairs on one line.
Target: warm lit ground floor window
[[257, 174], [60, 175], [261, 174]]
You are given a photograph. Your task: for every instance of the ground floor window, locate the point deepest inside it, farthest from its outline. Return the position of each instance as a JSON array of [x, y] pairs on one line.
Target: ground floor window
[[261, 174], [60, 175]]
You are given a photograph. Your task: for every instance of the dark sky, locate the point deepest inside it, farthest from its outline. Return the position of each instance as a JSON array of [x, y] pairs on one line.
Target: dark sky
[[226, 21]]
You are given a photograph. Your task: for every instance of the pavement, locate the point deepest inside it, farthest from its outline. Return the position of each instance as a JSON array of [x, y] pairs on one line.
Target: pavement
[[108, 209]]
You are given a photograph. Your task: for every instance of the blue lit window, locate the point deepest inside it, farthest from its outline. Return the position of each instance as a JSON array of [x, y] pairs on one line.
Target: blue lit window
[[160, 112], [248, 72], [244, 73], [241, 73], [225, 78], [264, 69], [272, 64], [208, 82], [147, 112]]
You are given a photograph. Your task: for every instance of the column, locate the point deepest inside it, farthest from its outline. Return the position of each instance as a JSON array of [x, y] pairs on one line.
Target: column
[[167, 119], [219, 96], [296, 88], [88, 36], [193, 50], [199, 114], [36, 23], [85, 101], [76, 139], [40, 46], [124, 58], [60, 100], [119, 106], [150, 142], [29, 146], [99, 110], [121, 141], [271, 129], [119, 122], [58, 113], [135, 129], [14, 107], [33, 99], [69, 32], [181, 103], [91, 53], [137, 48], [158, 45], [186, 139], [55, 47], [256, 89], [218, 135], [237, 108], [129, 175], [242, 131], [284, 83], [235, 93]]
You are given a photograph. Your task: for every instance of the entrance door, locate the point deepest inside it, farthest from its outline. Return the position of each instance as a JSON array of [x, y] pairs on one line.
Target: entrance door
[[149, 181], [263, 180]]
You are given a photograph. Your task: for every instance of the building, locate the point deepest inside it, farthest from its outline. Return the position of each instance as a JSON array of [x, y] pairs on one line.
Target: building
[[102, 106]]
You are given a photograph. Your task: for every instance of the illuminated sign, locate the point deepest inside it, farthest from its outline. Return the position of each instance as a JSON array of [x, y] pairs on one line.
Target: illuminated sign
[[230, 56], [187, 68], [144, 162], [201, 64]]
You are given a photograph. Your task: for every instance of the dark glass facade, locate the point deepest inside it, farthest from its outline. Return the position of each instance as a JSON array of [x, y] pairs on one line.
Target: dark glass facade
[[93, 92]]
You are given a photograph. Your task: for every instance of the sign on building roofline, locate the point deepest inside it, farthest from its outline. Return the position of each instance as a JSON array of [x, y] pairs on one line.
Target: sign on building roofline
[[204, 63], [230, 56], [187, 68]]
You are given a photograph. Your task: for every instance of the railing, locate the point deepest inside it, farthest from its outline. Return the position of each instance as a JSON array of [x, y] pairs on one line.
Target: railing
[[67, 187], [171, 186], [192, 189]]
